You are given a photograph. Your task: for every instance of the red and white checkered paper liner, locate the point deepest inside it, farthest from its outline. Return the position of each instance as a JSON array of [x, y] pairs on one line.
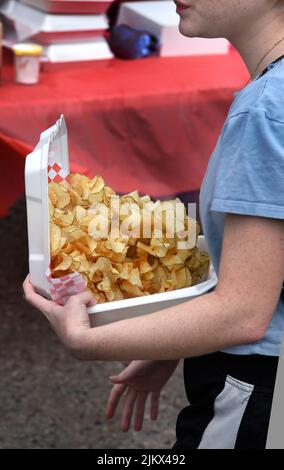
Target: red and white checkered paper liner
[[62, 288], [56, 172]]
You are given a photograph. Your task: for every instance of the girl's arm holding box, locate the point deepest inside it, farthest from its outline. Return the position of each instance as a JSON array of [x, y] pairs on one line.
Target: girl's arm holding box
[[237, 312]]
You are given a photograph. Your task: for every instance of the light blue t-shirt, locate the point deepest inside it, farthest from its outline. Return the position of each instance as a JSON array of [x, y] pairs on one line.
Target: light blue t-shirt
[[245, 175]]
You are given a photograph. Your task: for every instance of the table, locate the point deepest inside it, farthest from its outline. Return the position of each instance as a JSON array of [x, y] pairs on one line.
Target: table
[[147, 124]]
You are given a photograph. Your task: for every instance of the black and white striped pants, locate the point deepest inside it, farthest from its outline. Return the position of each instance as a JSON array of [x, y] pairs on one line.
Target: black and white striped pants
[[230, 400]]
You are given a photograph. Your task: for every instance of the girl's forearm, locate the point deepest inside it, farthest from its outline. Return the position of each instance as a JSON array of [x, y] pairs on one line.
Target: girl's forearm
[[201, 326]]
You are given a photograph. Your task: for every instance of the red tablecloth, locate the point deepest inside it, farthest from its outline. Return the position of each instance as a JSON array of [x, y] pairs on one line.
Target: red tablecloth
[[148, 124]]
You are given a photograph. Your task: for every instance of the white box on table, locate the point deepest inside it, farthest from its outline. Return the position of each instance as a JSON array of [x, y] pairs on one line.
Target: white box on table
[[68, 52], [70, 6], [54, 143], [160, 19], [45, 28], [96, 49]]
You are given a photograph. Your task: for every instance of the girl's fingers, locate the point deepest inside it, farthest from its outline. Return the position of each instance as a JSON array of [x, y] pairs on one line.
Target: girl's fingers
[[124, 375], [83, 299], [45, 306], [128, 409], [139, 411], [154, 407], [49, 308], [114, 397]]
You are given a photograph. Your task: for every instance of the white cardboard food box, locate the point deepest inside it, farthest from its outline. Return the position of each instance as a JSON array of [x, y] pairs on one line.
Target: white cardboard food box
[[70, 6], [97, 49], [65, 52], [53, 144], [161, 20], [45, 28]]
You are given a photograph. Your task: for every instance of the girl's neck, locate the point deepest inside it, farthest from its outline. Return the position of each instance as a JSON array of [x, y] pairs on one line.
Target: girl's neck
[[253, 44]]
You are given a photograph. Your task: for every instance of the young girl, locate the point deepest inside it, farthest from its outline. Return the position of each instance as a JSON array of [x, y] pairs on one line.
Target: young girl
[[231, 337]]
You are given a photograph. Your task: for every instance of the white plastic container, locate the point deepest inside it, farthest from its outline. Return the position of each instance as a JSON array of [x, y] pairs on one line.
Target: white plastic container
[[160, 19], [53, 145], [27, 63]]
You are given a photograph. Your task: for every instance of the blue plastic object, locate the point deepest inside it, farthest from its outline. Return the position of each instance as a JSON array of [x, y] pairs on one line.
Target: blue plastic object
[[129, 43]]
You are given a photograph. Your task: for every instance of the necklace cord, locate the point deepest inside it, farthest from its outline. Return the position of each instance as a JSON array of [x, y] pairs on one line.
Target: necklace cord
[[262, 59]]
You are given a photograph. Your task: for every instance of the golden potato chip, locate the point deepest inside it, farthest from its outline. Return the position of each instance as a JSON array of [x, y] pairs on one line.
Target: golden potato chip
[[105, 284], [84, 265], [131, 290], [181, 278], [159, 247], [95, 198], [144, 267], [97, 184], [65, 264], [55, 237], [73, 234], [98, 226], [126, 270], [116, 246], [50, 208], [52, 196], [92, 244], [63, 219], [110, 296], [146, 248], [80, 213], [134, 278], [82, 247], [62, 195], [75, 197]]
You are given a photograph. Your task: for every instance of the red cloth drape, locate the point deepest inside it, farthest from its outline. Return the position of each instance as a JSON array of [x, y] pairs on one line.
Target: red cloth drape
[[148, 124]]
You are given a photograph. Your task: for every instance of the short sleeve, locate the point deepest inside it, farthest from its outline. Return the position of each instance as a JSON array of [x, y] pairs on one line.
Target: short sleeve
[[250, 175]]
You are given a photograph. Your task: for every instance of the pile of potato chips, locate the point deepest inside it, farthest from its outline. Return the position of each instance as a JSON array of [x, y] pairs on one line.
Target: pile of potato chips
[[130, 264]]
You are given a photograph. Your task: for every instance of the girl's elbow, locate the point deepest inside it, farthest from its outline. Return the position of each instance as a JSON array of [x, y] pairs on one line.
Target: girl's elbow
[[253, 332], [257, 333]]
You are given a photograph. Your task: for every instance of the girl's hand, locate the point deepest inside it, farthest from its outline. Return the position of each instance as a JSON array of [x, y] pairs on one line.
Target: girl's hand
[[70, 323], [139, 380]]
